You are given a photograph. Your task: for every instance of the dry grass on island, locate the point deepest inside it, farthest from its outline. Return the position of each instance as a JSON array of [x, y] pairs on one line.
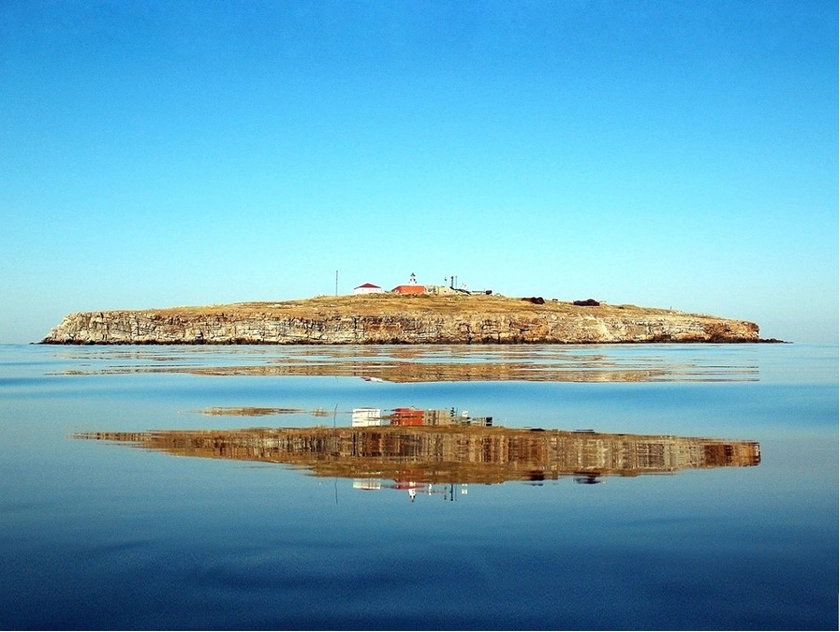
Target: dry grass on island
[[428, 304]]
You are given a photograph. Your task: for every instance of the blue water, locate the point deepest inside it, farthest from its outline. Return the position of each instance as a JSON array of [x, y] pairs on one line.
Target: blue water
[[103, 535]]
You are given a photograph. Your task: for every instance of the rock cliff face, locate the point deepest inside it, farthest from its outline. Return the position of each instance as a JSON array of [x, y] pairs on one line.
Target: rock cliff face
[[398, 320]]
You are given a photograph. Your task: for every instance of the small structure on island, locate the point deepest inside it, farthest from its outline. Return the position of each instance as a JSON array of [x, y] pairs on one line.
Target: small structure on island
[[367, 288], [411, 287]]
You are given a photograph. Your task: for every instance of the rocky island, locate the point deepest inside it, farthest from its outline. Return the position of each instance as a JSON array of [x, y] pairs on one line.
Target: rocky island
[[400, 319]]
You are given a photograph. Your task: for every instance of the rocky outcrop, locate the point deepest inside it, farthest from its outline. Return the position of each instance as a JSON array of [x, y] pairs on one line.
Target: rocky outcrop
[[380, 319]]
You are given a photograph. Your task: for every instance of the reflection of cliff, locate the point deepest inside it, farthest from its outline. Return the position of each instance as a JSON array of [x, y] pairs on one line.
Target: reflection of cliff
[[437, 363], [439, 372], [394, 371], [449, 453]]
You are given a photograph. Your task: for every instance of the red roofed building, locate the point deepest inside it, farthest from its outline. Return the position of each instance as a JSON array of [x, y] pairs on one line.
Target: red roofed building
[[410, 288]]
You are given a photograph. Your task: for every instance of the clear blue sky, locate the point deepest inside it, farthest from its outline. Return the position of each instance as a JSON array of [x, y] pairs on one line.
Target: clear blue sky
[[665, 154]]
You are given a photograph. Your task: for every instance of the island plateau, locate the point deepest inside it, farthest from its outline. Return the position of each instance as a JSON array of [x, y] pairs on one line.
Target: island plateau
[[400, 319]]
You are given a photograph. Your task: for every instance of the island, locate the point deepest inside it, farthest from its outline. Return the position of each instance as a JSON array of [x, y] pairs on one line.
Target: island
[[394, 318]]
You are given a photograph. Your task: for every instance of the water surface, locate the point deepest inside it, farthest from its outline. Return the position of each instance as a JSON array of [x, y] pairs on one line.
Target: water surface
[[423, 487]]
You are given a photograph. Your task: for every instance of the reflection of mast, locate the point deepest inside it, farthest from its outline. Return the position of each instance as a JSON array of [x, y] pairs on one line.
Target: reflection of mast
[[335, 479]]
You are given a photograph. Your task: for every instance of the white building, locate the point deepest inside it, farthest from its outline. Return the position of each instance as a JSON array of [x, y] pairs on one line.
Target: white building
[[367, 288]]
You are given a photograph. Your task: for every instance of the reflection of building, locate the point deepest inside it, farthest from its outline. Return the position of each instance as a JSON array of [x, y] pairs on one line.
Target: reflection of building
[[437, 417], [428, 489], [407, 417], [367, 484], [411, 416], [366, 417]]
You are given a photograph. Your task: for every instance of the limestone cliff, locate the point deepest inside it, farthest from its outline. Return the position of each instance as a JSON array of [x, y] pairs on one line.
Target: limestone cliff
[[394, 319]]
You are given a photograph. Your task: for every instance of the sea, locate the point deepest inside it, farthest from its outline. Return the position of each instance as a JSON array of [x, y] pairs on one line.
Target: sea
[[559, 487]]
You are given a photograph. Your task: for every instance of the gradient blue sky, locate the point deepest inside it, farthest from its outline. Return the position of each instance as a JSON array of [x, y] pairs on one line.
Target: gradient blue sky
[[665, 154]]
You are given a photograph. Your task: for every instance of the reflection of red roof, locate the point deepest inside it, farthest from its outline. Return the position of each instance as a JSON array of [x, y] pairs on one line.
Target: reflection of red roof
[[409, 289], [407, 417], [370, 285]]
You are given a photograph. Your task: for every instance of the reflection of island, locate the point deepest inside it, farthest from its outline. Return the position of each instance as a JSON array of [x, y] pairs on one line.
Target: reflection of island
[[419, 448], [444, 363]]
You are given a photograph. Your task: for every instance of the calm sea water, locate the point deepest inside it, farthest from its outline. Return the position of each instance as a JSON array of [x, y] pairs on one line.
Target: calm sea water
[[630, 521]]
